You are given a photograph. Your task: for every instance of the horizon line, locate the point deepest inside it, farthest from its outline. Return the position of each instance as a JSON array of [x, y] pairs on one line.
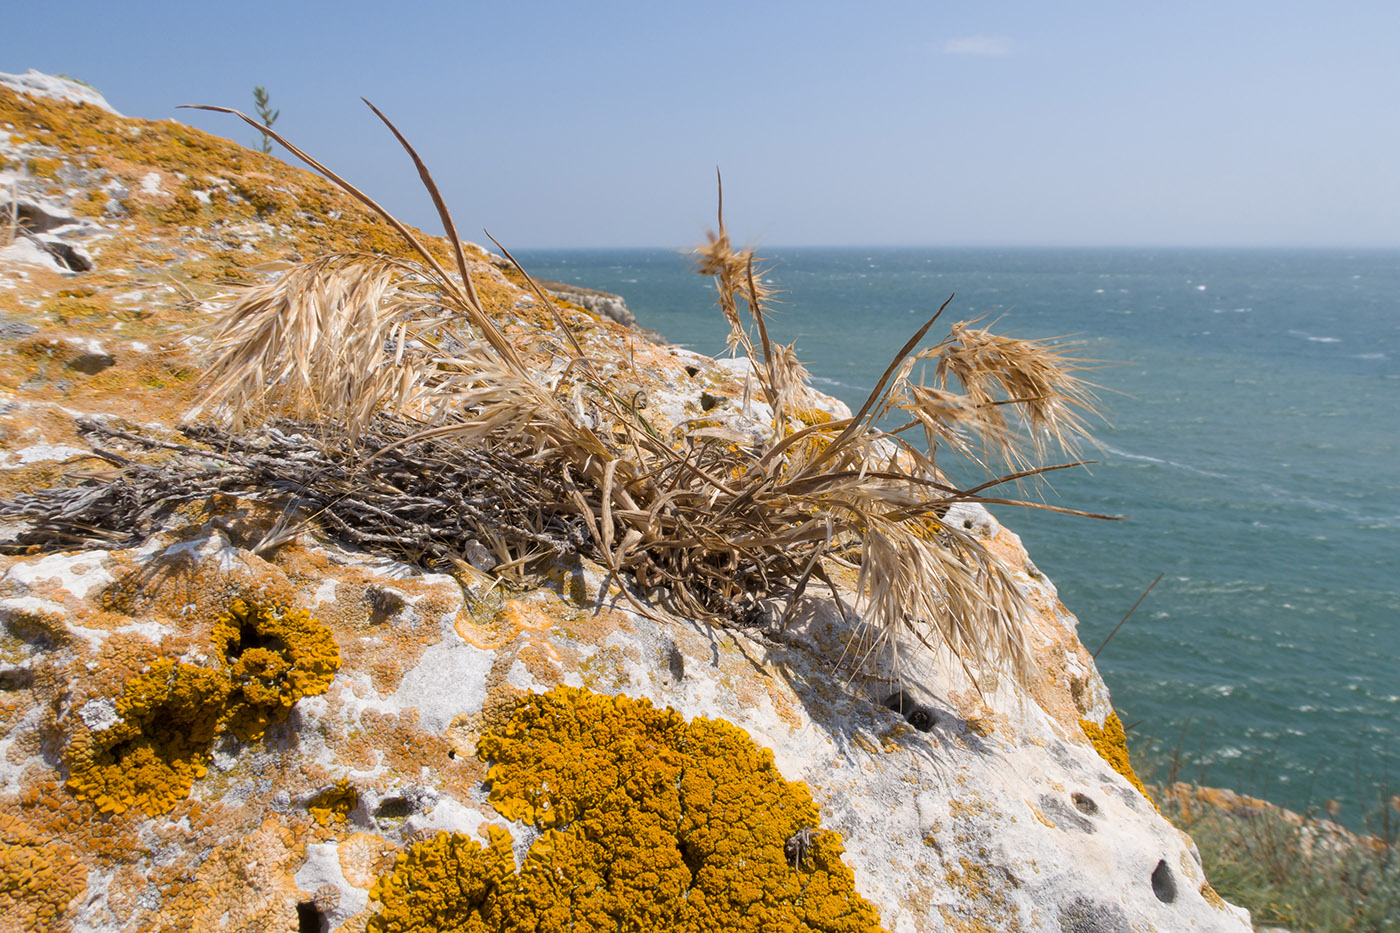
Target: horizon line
[[1317, 247]]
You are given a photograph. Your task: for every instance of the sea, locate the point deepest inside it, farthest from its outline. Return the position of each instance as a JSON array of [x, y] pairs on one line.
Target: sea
[[1252, 447]]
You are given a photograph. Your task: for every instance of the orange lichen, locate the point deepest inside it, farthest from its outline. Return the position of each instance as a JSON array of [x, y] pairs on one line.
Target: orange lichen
[[92, 204], [1212, 897], [165, 723], [167, 720], [448, 882], [651, 823], [1111, 742], [274, 657], [38, 878], [44, 167], [810, 416], [333, 805], [66, 310], [982, 904], [258, 185], [364, 857]]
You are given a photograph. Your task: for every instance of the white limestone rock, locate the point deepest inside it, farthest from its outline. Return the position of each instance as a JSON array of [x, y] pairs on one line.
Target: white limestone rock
[[37, 84]]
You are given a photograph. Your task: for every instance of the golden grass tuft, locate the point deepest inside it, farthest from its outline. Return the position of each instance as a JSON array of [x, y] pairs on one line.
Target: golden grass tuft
[[330, 339], [707, 528]]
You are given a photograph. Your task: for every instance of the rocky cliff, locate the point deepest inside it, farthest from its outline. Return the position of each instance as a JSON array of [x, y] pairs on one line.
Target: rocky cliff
[[211, 722]]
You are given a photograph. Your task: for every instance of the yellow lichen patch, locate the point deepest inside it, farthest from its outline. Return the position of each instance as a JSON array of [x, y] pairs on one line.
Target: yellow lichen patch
[[260, 186], [92, 204], [516, 616], [151, 757], [244, 883], [811, 416], [651, 823], [1111, 742], [274, 657], [53, 812], [979, 717], [39, 878], [333, 805], [448, 882], [1211, 897], [382, 625], [891, 739], [76, 308], [400, 745], [44, 167], [982, 904], [1039, 814]]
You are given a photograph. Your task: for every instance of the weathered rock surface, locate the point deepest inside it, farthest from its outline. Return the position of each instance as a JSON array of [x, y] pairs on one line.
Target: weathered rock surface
[[613, 307], [155, 775]]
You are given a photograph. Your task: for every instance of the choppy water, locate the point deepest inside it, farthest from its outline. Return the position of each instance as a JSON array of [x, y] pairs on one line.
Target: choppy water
[[1255, 443]]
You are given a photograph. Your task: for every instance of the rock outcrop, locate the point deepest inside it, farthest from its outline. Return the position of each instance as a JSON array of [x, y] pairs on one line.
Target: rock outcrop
[[604, 304], [200, 730]]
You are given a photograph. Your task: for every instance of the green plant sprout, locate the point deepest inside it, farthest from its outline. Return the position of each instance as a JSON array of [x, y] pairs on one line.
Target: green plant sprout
[[266, 114]]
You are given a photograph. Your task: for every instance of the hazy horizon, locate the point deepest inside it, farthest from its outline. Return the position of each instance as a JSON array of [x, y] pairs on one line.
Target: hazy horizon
[[1195, 125]]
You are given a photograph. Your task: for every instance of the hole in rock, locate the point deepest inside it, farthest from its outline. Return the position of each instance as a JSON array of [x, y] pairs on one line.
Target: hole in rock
[[16, 678], [249, 638], [899, 702], [72, 259], [34, 218], [919, 717], [1085, 804], [1163, 884], [394, 808], [309, 919]]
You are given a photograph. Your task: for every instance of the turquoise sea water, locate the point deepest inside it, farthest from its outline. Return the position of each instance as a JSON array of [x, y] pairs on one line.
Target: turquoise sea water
[[1255, 443]]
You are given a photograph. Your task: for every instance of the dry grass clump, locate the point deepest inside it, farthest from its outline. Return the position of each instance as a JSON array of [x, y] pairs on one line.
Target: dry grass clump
[[316, 339], [704, 525]]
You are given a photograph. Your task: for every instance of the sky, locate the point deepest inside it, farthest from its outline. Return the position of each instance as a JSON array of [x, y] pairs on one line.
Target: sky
[[555, 124]]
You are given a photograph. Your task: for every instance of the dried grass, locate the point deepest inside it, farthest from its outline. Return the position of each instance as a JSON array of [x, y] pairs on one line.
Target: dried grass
[[313, 344], [707, 526]]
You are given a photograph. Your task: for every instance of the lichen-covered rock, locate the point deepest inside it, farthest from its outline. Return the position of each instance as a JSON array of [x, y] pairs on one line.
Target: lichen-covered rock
[[39, 878], [217, 723], [273, 658], [158, 743], [649, 822]]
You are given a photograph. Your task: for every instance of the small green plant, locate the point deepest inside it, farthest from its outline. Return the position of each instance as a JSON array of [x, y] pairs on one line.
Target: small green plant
[[266, 114], [1293, 870], [1296, 870], [9, 222], [67, 77]]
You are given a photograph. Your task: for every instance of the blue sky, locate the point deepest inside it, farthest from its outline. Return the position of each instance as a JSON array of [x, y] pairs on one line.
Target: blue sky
[[937, 123]]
